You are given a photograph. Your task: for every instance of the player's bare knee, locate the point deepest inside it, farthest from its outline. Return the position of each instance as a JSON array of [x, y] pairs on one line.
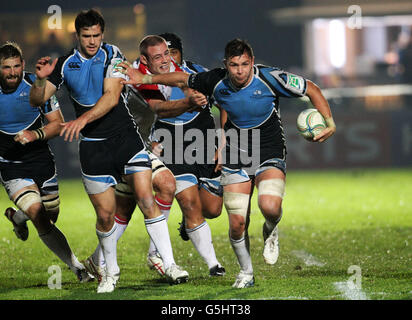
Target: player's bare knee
[[189, 205], [34, 211], [165, 188], [212, 210], [270, 206]]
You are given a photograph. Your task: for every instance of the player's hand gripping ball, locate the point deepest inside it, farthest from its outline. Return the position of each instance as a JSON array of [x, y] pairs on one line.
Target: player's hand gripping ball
[[310, 123]]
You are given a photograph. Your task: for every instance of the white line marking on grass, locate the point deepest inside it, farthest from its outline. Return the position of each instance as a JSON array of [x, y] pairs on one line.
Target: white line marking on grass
[[307, 258], [349, 291]]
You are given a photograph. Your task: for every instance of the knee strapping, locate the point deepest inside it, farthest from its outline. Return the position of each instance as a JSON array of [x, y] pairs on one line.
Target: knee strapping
[[236, 203], [51, 203], [27, 198], [272, 187], [123, 190]]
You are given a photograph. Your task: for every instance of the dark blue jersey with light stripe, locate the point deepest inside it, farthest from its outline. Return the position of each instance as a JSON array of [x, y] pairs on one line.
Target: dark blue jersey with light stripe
[[255, 106], [84, 80], [16, 115]]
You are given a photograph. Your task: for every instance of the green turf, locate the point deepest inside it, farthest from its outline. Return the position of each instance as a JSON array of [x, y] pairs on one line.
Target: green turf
[[338, 218]]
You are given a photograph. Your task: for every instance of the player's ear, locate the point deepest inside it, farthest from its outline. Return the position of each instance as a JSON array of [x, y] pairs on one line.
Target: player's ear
[[143, 59], [224, 61], [23, 63]]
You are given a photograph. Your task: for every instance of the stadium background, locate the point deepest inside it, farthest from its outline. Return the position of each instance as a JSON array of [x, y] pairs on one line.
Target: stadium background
[[358, 214], [357, 66]]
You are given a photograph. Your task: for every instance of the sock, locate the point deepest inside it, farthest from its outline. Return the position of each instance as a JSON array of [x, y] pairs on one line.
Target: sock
[[242, 254], [201, 238], [20, 217], [165, 210], [97, 256], [159, 234], [108, 244], [57, 243], [272, 224]]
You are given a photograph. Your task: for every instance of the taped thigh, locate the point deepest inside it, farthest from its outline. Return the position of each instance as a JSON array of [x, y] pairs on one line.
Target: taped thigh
[[157, 165], [51, 203], [272, 187], [26, 199], [122, 189], [236, 203]]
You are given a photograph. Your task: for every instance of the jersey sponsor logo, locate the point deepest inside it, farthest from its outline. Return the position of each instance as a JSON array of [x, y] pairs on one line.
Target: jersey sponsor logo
[[294, 82], [224, 92], [256, 94], [74, 65]]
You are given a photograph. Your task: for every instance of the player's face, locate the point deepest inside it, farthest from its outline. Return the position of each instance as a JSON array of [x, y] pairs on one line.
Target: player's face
[[176, 55], [11, 73], [240, 69], [90, 39], [158, 59]]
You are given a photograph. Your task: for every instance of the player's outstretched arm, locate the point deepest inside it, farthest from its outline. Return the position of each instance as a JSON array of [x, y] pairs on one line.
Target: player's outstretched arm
[[110, 98], [319, 102], [49, 131], [173, 79], [42, 90]]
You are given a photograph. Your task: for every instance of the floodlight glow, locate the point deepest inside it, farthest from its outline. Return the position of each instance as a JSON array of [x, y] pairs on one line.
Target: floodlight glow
[[337, 45]]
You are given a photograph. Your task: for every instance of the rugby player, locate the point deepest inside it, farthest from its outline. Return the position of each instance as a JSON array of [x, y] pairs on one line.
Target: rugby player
[[195, 179], [27, 167], [249, 94], [110, 146]]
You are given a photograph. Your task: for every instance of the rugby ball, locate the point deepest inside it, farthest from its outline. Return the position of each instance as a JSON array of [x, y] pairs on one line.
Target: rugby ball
[[310, 123]]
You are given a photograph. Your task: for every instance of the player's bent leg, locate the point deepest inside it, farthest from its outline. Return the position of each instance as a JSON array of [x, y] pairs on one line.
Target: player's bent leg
[[51, 204], [211, 204], [164, 185], [236, 198], [155, 222], [271, 189], [104, 204], [198, 229], [189, 202]]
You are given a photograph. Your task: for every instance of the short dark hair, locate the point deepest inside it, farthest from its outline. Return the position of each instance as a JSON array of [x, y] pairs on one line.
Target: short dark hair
[[237, 47], [88, 18], [149, 41], [10, 50], [173, 41]]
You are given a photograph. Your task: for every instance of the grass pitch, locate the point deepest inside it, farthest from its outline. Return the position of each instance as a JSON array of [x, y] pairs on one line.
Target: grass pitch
[[343, 235]]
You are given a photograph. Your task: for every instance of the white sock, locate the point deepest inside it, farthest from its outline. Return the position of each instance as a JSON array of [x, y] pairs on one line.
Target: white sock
[[201, 237], [165, 210], [108, 243], [97, 256], [159, 233], [57, 243], [242, 254], [20, 217]]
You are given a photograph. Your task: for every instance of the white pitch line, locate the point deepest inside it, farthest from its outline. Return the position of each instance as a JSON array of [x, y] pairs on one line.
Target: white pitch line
[[307, 258], [350, 292]]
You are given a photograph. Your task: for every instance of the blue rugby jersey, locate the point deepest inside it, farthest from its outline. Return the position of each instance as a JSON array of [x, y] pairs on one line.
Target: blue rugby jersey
[[257, 104], [84, 80], [16, 115]]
